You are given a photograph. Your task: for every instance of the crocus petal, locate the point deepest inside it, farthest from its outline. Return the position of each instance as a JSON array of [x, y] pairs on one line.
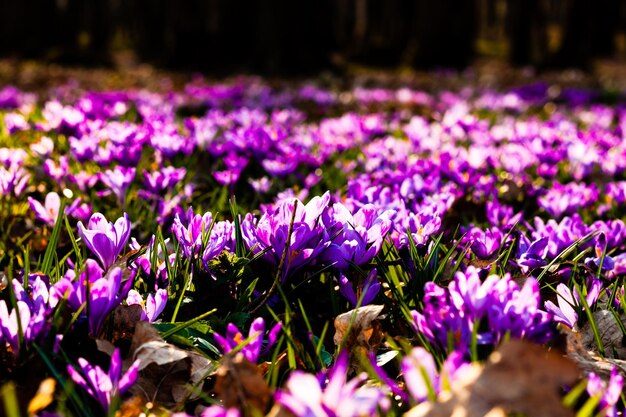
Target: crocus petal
[[78, 379], [255, 336], [336, 380], [345, 289], [129, 378], [104, 249], [115, 370], [134, 298], [224, 344], [417, 366], [40, 211], [155, 304]]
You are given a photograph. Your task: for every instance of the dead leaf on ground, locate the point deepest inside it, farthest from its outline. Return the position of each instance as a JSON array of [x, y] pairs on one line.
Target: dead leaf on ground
[[519, 377], [359, 330], [240, 384], [105, 346], [589, 360], [165, 372], [122, 325]]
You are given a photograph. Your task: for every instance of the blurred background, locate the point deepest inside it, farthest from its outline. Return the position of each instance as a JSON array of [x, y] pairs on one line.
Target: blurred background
[[283, 37]]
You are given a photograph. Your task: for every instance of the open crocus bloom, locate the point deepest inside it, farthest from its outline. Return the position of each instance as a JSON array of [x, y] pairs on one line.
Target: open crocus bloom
[[104, 386], [105, 239]]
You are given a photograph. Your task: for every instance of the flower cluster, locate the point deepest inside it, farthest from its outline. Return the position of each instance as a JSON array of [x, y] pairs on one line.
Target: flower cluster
[[486, 310]]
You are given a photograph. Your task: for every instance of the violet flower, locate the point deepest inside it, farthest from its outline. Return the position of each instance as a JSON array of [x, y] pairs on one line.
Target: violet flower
[[43, 148], [49, 211], [190, 236], [144, 262], [530, 255], [304, 396], [153, 306], [104, 386], [118, 181], [105, 239], [253, 348], [219, 411], [609, 392], [102, 292], [601, 260], [167, 177], [309, 238], [57, 172], [369, 290], [421, 226], [361, 235], [468, 300], [484, 243], [13, 180], [33, 307], [422, 378], [568, 301]]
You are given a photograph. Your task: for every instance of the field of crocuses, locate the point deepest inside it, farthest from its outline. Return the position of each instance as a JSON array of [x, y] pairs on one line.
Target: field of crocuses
[[253, 248]]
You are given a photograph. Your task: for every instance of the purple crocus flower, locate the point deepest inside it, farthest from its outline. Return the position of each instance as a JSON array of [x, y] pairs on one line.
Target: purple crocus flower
[[104, 295], [153, 306], [309, 238], [421, 226], [360, 237], [304, 396], [118, 181], [252, 350], [102, 292], [564, 199], [420, 374], [49, 211], [261, 185], [609, 392], [104, 386], [454, 311], [601, 259], [105, 239], [167, 177], [219, 411], [500, 215], [422, 378], [190, 236], [530, 255], [13, 180], [43, 148], [370, 289], [568, 301], [33, 308], [485, 243]]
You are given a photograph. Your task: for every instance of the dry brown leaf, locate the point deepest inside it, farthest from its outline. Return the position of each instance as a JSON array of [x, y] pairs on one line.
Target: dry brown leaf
[[240, 384], [125, 318], [105, 346], [158, 353], [538, 376], [365, 333], [165, 371], [519, 377], [589, 360]]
